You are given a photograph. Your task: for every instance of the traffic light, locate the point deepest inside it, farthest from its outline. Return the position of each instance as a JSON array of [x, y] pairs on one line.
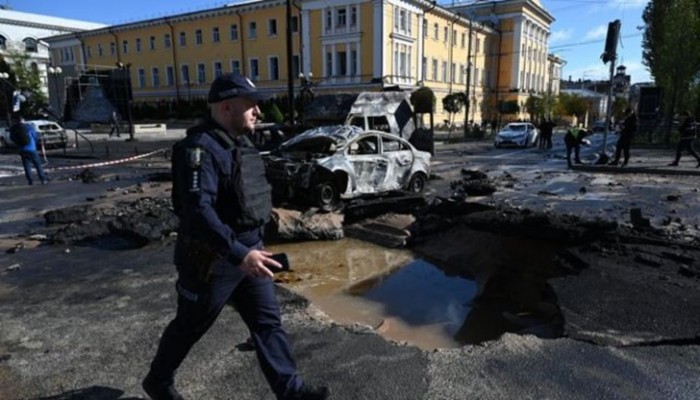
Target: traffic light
[[611, 42]]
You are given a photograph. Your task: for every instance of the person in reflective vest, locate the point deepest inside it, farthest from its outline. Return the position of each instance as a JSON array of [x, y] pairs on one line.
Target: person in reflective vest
[[573, 139]]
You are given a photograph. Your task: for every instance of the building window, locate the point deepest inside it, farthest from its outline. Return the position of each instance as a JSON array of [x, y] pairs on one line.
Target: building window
[[425, 28], [272, 27], [444, 71], [89, 51], [436, 35], [156, 76], [453, 73], [424, 66], [125, 47], [462, 73], [341, 18], [3, 43], [142, 78], [198, 37], [233, 32], [295, 24], [342, 63], [112, 48], [236, 67], [274, 68], [152, 43], [353, 16], [138, 45], [329, 19], [215, 36], [464, 39], [478, 46], [435, 70], [445, 33], [185, 74], [166, 41], [170, 76], [30, 45], [252, 30], [254, 69], [201, 74], [100, 51], [296, 67], [353, 62], [329, 64], [183, 39], [218, 69]]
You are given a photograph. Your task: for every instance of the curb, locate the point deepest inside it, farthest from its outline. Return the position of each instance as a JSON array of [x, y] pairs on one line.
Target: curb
[[636, 170]]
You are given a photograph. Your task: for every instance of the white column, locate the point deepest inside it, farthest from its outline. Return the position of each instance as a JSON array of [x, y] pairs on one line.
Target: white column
[[378, 40], [419, 50], [306, 42], [517, 53]]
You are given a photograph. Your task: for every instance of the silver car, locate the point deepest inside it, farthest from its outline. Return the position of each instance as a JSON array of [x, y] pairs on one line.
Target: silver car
[[52, 134], [521, 134], [330, 163]]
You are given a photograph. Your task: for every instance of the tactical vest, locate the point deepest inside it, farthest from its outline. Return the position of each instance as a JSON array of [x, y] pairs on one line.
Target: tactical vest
[[244, 198]]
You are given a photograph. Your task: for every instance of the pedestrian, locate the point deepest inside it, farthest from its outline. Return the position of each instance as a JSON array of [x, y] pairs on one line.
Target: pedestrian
[[546, 130], [26, 137], [223, 201], [629, 127], [115, 119], [573, 139], [688, 131]]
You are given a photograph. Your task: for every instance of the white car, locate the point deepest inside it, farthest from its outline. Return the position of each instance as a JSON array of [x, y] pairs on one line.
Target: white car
[[330, 163], [51, 133], [521, 134]]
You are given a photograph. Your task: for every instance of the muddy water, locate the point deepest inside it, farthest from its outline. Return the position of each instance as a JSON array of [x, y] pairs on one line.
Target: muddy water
[[403, 298]]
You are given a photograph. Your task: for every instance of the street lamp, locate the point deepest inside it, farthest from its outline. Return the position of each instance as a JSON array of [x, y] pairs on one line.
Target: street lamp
[[126, 74], [305, 90], [55, 72], [4, 76]]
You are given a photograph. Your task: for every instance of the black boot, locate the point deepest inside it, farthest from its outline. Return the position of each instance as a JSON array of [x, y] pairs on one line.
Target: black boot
[[160, 391], [312, 393]]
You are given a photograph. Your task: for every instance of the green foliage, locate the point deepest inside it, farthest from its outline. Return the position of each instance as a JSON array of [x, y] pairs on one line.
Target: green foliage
[[569, 104], [619, 105], [508, 107], [25, 78], [273, 114], [535, 106], [423, 100], [454, 102]]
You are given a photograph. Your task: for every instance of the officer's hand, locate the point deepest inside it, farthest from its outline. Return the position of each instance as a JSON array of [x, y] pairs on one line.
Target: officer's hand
[[256, 262]]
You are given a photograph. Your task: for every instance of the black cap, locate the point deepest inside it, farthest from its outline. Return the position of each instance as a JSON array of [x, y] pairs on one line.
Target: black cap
[[228, 86]]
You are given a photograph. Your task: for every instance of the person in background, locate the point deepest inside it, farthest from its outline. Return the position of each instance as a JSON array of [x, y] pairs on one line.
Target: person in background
[[629, 127], [27, 148], [223, 201], [573, 139], [546, 131], [688, 131], [115, 123]]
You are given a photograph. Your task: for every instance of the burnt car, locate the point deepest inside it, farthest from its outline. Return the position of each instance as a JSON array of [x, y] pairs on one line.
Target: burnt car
[[328, 164]]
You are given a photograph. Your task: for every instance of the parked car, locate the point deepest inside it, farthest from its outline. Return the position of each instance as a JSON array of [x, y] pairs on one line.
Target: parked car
[[521, 134], [327, 164], [51, 133]]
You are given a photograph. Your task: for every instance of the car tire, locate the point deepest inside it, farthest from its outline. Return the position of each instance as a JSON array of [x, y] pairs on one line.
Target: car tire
[[326, 196], [417, 183]]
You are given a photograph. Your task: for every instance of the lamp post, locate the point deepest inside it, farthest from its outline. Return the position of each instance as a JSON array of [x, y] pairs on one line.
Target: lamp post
[[305, 89], [126, 74], [54, 73], [4, 76]]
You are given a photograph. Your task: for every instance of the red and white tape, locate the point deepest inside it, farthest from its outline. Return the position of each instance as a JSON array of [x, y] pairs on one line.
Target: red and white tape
[[105, 163]]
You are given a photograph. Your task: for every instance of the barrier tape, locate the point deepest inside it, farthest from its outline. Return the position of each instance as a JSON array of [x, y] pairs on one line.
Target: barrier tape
[[105, 163]]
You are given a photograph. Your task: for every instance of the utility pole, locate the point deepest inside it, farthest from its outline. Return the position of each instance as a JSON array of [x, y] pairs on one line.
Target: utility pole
[[609, 55], [290, 76], [469, 77]]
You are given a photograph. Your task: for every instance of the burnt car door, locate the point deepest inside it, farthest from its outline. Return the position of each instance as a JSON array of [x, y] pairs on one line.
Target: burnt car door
[[399, 157], [369, 167]]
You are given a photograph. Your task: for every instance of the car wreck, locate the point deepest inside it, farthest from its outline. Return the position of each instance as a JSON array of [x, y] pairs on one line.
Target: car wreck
[[328, 164]]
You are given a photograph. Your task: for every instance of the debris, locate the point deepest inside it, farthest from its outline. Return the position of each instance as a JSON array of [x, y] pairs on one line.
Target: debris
[[16, 249], [637, 220], [12, 267], [673, 197], [38, 236]]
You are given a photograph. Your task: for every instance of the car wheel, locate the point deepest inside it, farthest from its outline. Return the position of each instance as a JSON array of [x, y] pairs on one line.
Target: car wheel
[[417, 183], [326, 196]]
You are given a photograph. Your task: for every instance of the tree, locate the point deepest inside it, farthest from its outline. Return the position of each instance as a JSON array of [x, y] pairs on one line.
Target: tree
[[453, 103], [619, 105], [569, 104], [535, 107], [671, 50], [24, 76]]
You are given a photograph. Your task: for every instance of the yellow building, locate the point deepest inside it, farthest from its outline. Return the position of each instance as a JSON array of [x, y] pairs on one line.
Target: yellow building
[[493, 51]]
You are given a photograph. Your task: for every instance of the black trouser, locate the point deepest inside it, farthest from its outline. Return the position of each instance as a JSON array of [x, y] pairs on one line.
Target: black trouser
[[572, 143], [623, 147], [686, 144], [199, 305]]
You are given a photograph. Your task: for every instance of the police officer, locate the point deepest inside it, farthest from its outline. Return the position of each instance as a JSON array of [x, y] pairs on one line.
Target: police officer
[[629, 127], [573, 139], [223, 201], [688, 132]]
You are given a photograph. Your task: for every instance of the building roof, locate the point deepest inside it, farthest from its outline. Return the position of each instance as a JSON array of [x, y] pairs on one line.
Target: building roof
[[582, 92], [13, 17]]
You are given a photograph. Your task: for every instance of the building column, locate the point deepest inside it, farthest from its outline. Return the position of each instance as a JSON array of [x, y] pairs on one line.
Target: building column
[[378, 40], [517, 53], [306, 42]]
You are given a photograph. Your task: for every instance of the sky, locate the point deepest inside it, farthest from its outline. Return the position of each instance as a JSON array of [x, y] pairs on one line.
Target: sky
[[577, 35]]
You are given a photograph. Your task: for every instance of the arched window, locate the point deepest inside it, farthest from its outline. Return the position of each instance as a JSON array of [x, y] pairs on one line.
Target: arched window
[[30, 45], [3, 42], [34, 67]]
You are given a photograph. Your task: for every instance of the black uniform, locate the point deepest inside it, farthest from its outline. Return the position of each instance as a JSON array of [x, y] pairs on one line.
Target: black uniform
[[625, 140], [223, 201], [688, 133]]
